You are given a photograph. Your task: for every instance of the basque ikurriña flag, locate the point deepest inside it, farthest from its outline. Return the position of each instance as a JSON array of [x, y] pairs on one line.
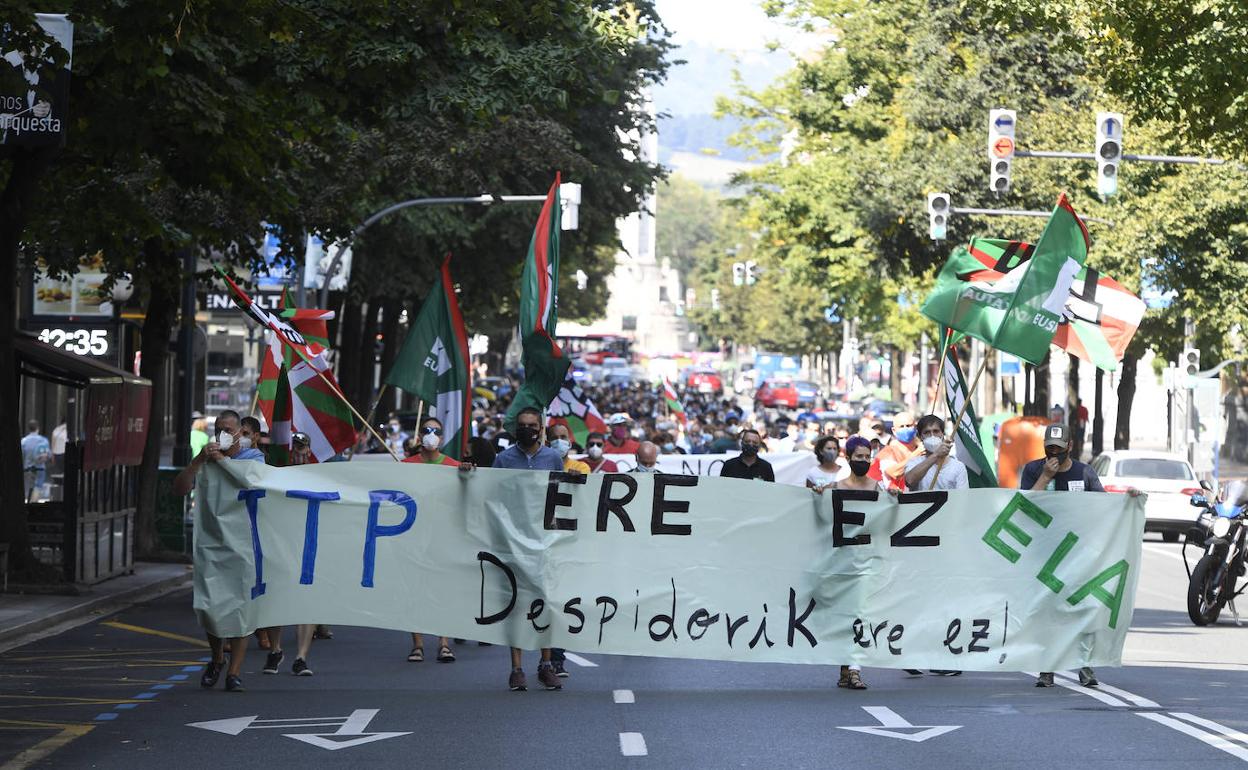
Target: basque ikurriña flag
[[673, 401], [545, 365], [435, 365], [316, 404]]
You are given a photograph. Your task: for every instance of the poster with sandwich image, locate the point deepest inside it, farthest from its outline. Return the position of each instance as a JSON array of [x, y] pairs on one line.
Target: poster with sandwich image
[[80, 294]]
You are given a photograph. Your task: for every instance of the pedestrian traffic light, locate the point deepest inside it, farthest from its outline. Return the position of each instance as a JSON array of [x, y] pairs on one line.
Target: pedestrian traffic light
[[738, 273], [937, 214], [1000, 149], [751, 273], [1108, 152], [1190, 362]]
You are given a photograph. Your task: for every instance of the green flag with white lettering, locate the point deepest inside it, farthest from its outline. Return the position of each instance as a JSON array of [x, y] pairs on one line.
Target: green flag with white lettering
[[1017, 313], [979, 468]]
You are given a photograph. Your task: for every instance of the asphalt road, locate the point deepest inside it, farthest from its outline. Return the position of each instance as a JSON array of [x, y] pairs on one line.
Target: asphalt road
[[123, 692]]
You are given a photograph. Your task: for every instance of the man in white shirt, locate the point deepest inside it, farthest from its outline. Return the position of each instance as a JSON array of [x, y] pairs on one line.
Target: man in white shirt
[[936, 468]]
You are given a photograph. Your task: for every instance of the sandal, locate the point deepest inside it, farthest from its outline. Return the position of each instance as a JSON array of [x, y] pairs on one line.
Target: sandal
[[445, 655], [855, 681], [262, 635], [417, 655]]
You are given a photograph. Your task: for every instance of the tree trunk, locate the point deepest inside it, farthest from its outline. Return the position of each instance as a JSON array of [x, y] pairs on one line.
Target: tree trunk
[[1029, 378], [157, 328], [349, 347], [368, 356], [1040, 400], [895, 359], [1098, 415], [1126, 395], [25, 170], [392, 307]]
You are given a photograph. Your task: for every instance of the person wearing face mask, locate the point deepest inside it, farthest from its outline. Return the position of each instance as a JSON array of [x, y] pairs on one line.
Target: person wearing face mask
[[529, 454], [830, 468], [893, 457], [233, 441], [395, 435], [594, 458], [935, 468], [427, 448], [559, 439], [620, 442], [748, 465], [667, 444], [647, 458]]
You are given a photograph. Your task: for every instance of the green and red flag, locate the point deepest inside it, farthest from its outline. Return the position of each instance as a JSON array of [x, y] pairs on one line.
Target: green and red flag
[[979, 469], [545, 365], [1100, 317], [1018, 312], [311, 398], [576, 410], [673, 401], [434, 363]]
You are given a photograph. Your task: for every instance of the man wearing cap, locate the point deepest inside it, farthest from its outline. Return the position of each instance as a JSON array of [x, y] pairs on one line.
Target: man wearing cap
[[1058, 471], [620, 442]]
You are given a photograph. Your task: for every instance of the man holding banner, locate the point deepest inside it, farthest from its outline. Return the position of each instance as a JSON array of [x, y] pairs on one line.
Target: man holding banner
[[935, 468]]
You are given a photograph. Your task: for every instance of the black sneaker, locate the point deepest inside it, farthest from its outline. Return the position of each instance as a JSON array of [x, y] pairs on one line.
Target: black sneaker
[[1087, 677], [913, 671], [212, 672], [273, 661], [1045, 680], [234, 684], [559, 669], [300, 668], [515, 682], [546, 677]]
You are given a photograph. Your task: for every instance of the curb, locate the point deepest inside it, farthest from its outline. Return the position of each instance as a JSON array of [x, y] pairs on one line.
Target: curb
[[95, 606]]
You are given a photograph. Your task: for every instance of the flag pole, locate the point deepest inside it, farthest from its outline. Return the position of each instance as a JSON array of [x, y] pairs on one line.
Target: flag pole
[[357, 414], [377, 402], [255, 399], [966, 402], [940, 375]]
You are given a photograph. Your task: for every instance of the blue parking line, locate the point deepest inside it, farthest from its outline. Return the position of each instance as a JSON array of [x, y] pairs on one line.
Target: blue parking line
[[162, 687], [106, 716], [177, 678], [192, 668], [144, 696], [205, 660], [124, 706]]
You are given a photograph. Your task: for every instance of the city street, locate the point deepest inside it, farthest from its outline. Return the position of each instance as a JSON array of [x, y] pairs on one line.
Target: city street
[[123, 691]]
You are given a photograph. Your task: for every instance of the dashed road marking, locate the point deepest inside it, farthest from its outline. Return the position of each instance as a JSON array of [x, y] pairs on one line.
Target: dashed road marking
[[623, 696], [633, 745], [578, 660]]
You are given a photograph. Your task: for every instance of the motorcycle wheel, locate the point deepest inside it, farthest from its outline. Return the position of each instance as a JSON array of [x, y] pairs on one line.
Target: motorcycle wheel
[[1203, 606]]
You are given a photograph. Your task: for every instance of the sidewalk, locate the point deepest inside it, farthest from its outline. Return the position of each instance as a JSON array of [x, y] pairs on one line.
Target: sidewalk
[[22, 615]]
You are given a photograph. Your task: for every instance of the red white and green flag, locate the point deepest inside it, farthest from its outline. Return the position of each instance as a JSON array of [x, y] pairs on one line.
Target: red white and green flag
[[1100, 316], [576, 410], [435, 365], [673, 401], [545, 365], [311, 398]]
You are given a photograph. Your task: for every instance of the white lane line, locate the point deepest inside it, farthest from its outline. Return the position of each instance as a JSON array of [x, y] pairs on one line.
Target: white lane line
[[1212, 725], [1164, 552], [634, 744], [578, 660], [1200, 735], [1130, 697], [623, 696], [1088, 691]]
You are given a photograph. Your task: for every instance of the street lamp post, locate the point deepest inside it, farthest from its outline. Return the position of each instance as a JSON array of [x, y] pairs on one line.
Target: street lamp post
[[569, 195]]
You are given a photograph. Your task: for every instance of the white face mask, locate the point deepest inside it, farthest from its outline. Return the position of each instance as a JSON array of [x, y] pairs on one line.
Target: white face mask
[[594, 452], [932, 443], [225, 440], [244, 442], [431, 441], [561, 445], [647, 469]]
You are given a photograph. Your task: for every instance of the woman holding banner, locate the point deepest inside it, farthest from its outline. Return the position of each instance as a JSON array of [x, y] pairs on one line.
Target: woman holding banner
[[830, 468]]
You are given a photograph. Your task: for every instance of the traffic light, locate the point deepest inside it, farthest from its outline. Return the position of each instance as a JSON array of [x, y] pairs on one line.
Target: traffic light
[[751, 273], [1190, 363], [1108, 152], [1000, 149], [738, 273], [714, 299], [937, 214]]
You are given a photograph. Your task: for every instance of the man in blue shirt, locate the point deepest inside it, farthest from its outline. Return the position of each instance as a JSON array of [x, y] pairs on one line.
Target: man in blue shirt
[[36, 451], [233, 439], [529, 454]]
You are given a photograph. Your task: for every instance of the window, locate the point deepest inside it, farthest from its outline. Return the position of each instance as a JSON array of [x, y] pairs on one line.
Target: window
[[1168, 470]]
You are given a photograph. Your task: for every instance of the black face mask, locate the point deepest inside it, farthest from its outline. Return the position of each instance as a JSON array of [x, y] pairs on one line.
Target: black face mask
[[749, 450], [526, 435], [859, 467], [1060, 456]]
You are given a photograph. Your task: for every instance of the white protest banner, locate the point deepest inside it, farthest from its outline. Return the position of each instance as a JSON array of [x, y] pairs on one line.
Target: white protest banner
[[672, 566]]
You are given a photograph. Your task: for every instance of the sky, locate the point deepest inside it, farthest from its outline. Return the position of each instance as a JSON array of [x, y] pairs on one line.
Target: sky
[[738, 25]]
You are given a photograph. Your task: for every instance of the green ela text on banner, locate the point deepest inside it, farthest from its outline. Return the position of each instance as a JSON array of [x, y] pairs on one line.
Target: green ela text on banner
[[672, 566]]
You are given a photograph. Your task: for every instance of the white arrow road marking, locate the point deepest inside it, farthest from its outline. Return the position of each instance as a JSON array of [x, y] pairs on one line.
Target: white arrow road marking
[[891, 723], [578, 660], [350, 730]]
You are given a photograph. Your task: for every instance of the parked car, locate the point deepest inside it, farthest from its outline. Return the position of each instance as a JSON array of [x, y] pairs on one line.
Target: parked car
[[807, 393], [777, 392], [705, 380], [1167, 478]]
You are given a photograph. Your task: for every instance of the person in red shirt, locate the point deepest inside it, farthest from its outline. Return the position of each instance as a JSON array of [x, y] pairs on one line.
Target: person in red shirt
[[620, 442], [427, 452], [892, 458], [594, 446]]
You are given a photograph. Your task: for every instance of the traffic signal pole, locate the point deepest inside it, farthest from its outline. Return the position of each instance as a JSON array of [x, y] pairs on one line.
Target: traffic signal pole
[[1188, 159]]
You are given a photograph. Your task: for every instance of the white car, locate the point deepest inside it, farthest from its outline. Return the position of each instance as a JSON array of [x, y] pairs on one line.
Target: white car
[[1167, 478]]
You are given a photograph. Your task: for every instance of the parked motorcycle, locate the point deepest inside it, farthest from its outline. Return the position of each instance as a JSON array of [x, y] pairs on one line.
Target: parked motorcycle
[[1220, 533]]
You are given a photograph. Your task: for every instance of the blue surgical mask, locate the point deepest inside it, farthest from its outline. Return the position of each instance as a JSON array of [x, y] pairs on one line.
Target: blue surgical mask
[[905, 435], [561, 445]]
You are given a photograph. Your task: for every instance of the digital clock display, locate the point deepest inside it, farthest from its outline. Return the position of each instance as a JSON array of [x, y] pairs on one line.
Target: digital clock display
[[79, 341]]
